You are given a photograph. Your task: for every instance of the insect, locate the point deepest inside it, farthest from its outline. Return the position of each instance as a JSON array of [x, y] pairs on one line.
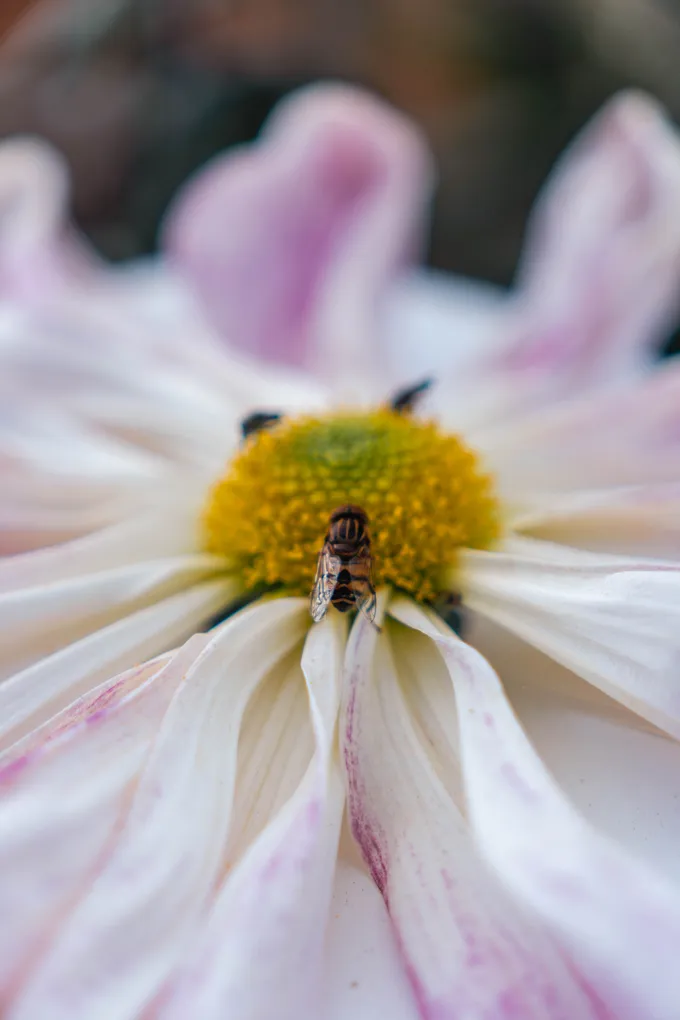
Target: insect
[[257, 421], [405, 400], [343, 575]]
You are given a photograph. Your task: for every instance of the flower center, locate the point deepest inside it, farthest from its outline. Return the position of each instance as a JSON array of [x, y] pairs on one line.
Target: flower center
[[423, 492]]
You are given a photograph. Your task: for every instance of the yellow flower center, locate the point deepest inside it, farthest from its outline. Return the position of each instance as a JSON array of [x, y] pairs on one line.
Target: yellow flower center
[[423, 491]]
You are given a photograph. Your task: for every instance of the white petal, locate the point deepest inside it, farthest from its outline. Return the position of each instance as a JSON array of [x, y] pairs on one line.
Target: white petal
[[468, 950], [275, 748], [127, 931], [364, 975], [437, 325], [36, 621], [260, 954], [141, 395], [618, 921], [174, 532], [613, 620], [620, 773], [636, 519], [30, 697], [629, 436]]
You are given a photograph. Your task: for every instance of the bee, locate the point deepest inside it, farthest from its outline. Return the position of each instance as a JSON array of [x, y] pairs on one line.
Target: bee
[[343, 575]]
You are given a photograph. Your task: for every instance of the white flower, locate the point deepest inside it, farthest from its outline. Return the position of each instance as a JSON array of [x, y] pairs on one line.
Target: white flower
[[169, 831]]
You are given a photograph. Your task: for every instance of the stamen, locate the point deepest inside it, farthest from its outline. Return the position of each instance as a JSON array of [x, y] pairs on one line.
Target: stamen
[[424, 492]]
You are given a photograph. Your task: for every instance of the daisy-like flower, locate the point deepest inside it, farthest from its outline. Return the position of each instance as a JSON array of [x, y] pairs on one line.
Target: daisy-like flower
[[175, 764]]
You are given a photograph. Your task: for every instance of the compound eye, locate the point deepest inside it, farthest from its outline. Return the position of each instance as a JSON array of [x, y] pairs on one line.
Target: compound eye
[[257, 421], [405, 400]]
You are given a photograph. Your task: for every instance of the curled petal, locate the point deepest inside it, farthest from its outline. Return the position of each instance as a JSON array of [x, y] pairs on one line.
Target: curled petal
[[365, 977], [260, 953], [618, 921], [36, 252], [600, 275], [62, 793], [467, 948], [111, 951], [601, 266], [613, 620], [289, 243]]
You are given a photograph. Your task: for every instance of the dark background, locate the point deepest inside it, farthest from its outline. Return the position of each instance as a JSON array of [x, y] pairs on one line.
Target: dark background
[[137, 93]]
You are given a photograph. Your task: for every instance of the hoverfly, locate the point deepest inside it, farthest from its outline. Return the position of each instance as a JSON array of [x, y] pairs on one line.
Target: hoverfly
[[343, 575]]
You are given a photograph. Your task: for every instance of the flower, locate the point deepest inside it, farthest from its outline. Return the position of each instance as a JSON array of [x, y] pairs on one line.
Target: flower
[[172, 787]]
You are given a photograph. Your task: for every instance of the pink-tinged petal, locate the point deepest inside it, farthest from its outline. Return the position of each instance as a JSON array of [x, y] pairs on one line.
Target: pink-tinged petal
[[613, 620], [30, 697], [630, 436], [127, 930], [289, 243], [36, 250], [364, 977], [600, 276], [260, 952], [62, 793], [636, 520], [468, 950], [618, 921]]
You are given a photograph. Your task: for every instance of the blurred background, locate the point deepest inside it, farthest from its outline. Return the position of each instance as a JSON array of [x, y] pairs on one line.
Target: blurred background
[[138, 93]]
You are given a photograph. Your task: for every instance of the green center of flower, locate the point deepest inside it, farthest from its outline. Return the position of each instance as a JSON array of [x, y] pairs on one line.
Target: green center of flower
[[423, 491]]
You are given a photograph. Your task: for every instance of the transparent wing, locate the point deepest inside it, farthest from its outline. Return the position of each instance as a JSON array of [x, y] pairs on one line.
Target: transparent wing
[[367, 605], [362, 585], [327, 571]]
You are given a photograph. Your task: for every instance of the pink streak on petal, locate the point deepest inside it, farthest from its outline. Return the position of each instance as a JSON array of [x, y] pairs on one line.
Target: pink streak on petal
[[618, 921], [289, 243], [467, 950], [258, 952]]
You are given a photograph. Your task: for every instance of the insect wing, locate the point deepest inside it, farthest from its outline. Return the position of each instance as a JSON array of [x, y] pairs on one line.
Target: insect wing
[[362, 586], [327, 571], [367, 605]]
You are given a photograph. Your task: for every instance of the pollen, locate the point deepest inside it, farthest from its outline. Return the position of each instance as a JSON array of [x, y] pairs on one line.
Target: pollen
[[424, 491]]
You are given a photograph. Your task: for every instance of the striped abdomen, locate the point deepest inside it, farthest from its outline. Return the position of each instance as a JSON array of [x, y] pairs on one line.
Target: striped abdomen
[[348, 540]]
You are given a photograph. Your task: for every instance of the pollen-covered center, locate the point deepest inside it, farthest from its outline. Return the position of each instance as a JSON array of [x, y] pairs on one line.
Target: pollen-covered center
[[423, 491]]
